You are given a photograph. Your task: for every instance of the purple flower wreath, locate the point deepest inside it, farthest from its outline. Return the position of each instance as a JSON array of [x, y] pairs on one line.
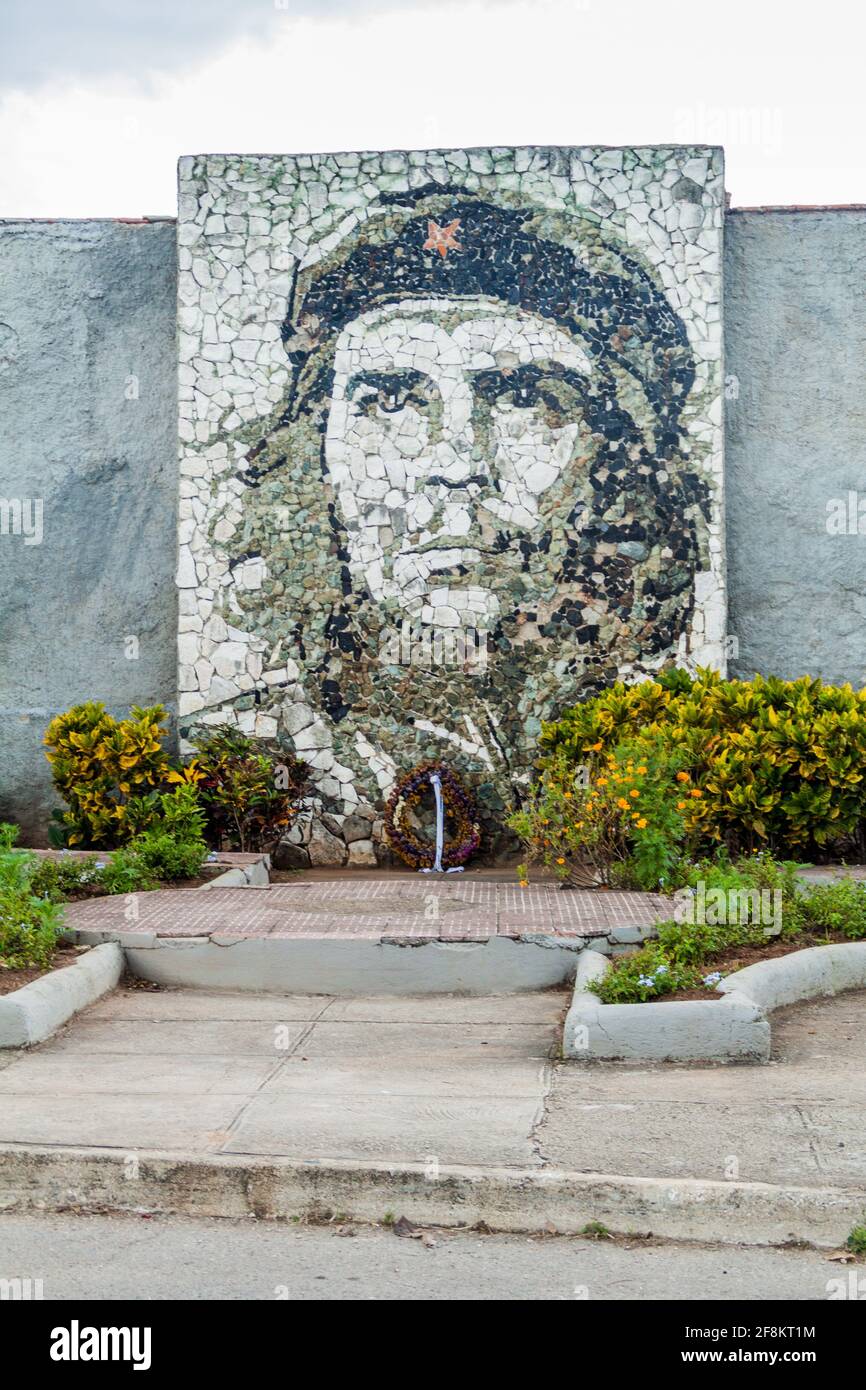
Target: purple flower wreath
[[458, 804]]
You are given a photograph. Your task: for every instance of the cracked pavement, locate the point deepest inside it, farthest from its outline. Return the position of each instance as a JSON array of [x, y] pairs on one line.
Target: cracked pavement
[[441, 1079]]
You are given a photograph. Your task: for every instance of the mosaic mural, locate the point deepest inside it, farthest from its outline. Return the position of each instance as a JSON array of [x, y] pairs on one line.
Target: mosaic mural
[[450, 450]]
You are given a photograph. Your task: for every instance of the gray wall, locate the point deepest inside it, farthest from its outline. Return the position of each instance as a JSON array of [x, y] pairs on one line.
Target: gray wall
[[795, 337], [85, 305]]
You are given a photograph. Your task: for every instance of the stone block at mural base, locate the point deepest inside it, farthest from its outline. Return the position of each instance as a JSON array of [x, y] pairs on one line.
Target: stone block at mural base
[[451, 452]]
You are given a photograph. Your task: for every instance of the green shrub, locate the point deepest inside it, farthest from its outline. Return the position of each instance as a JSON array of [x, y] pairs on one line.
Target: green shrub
[[856, 1241], [29, 925], [647, 974], [249, 793], [155, 854], [126, 873], [29, 929], [621, 820], [687, 946], [777, 764], [832, 907], [173, 846], [15, 865], [58, 879], [105, 769]]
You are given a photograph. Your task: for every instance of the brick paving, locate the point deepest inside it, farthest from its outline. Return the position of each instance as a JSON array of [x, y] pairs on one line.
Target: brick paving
[[443, 909]]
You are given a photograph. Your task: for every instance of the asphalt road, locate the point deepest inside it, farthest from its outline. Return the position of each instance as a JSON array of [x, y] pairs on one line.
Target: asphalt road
[[108, 1257]]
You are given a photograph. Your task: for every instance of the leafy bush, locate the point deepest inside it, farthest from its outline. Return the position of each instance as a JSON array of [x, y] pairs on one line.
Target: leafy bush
[[105, 770], [29, 929], [155, 854], [856, 1241], [780, 764], [173, 846], [29, 926], [647, 974], [831, 907], [621, 819], [58, 879], [248, 792], [688, 947]]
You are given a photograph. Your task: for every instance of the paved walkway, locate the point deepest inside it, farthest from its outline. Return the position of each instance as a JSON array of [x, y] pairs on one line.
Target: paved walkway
[[438, 909], [462, 1080], [441, 1079], [799, 1120]]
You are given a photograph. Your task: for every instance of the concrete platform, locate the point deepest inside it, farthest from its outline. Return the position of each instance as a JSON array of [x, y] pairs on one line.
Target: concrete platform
[[448, 909], [379, 935]]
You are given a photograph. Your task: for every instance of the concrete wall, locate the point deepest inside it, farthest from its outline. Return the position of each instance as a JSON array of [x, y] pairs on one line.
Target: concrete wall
[[795, 338], [84, 307]]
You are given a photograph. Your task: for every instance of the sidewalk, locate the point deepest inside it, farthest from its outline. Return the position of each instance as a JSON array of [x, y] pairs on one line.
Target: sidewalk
[[447, 1109]]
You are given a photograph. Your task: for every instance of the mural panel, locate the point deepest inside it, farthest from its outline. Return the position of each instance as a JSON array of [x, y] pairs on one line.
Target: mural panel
[[451, 448]]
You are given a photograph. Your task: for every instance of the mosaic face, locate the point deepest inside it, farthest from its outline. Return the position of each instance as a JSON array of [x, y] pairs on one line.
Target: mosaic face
[[488, 410], [448, 423]]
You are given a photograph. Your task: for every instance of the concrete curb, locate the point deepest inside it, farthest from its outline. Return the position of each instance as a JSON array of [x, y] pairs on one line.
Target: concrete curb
[[33, 1013], [352, 965], [507, 1199], [692, 1030], [812, 973], [733, 1028]]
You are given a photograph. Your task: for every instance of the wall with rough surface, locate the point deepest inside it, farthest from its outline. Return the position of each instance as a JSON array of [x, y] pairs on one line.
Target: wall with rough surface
[[436, 403], [795, 441], [86, 305], [88, 412]]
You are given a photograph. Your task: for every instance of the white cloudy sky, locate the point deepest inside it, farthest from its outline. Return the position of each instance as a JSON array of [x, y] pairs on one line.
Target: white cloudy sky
[[99, 97]]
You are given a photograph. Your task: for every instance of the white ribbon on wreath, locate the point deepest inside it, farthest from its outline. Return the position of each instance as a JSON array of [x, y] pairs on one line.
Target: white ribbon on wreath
[[436, 783]]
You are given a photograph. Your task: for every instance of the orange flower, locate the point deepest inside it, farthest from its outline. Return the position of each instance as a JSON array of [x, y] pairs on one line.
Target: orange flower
[[641, 825], [523, 883], [595, 747], [642, 771], [695, 791], [682, 776], [622, 803], [560, 861], [635, 792], [601, 781], [567, 795], [681, 805]]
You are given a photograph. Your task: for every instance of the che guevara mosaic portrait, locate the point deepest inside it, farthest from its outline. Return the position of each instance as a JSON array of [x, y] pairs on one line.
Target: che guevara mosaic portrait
[[451, 454]]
